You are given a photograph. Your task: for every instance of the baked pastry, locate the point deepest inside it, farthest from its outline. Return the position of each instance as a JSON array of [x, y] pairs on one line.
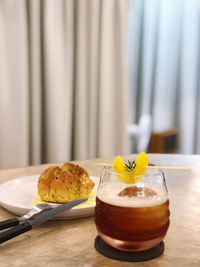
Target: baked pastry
[[85, 183], [61, 185]]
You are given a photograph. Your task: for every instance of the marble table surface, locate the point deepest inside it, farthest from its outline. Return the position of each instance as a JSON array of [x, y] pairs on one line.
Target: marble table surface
[[71, 242]]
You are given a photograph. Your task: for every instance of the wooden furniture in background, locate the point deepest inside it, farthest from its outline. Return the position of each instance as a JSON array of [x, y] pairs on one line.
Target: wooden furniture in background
[[164, 142]]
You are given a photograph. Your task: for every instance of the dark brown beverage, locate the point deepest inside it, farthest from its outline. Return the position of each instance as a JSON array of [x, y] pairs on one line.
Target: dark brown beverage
[[132, 228]]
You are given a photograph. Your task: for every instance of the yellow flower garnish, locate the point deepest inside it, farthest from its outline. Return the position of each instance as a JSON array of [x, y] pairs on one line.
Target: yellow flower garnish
[[132, 172]]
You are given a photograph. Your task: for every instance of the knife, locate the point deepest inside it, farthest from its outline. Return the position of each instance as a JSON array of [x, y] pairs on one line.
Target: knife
[[26, 226]]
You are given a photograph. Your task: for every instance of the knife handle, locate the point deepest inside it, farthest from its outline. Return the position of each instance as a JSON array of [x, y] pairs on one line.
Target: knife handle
[[8, 223], [15, 231]]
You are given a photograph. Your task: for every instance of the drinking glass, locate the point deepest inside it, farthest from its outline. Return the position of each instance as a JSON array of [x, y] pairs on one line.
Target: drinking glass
[[132, 217]]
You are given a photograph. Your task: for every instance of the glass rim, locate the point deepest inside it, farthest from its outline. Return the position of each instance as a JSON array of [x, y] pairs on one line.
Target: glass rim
[[149, 172]]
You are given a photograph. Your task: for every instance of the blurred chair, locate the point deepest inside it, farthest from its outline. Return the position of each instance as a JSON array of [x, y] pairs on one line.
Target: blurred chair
[[141, 132], [164, 142]]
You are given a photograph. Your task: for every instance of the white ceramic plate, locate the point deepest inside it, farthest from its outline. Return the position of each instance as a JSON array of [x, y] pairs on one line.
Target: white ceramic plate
[[16, 196]]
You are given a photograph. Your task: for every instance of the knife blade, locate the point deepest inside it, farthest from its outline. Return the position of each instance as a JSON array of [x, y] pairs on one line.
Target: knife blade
[[26, 226]]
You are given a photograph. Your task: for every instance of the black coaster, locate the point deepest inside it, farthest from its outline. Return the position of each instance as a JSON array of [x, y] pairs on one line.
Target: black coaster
[[106, 250]]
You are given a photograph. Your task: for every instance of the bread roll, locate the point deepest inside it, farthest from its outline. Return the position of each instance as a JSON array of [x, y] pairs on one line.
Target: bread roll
[[61, 185]]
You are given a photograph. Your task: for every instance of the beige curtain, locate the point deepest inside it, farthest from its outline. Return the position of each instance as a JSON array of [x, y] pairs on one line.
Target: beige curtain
[[64, 84]]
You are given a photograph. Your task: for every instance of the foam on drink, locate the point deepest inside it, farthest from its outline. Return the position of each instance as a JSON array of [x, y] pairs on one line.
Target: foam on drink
[[109, 193]]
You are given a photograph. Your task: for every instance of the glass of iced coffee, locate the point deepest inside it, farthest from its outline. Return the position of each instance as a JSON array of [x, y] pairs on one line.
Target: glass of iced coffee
[[132, 217]]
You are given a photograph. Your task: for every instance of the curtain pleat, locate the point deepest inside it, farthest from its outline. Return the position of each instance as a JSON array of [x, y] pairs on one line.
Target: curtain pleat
[[189, 77], [35, 80], [14, 84], [166, 66], [94, 22], [81, 115], [57, 51], [113, 111], [86, 79]]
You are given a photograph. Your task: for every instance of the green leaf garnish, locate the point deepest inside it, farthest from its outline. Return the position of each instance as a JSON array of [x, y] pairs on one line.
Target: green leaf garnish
[[130, 165]]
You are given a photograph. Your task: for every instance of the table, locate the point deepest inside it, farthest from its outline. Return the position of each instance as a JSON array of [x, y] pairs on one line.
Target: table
[[70, 242]]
